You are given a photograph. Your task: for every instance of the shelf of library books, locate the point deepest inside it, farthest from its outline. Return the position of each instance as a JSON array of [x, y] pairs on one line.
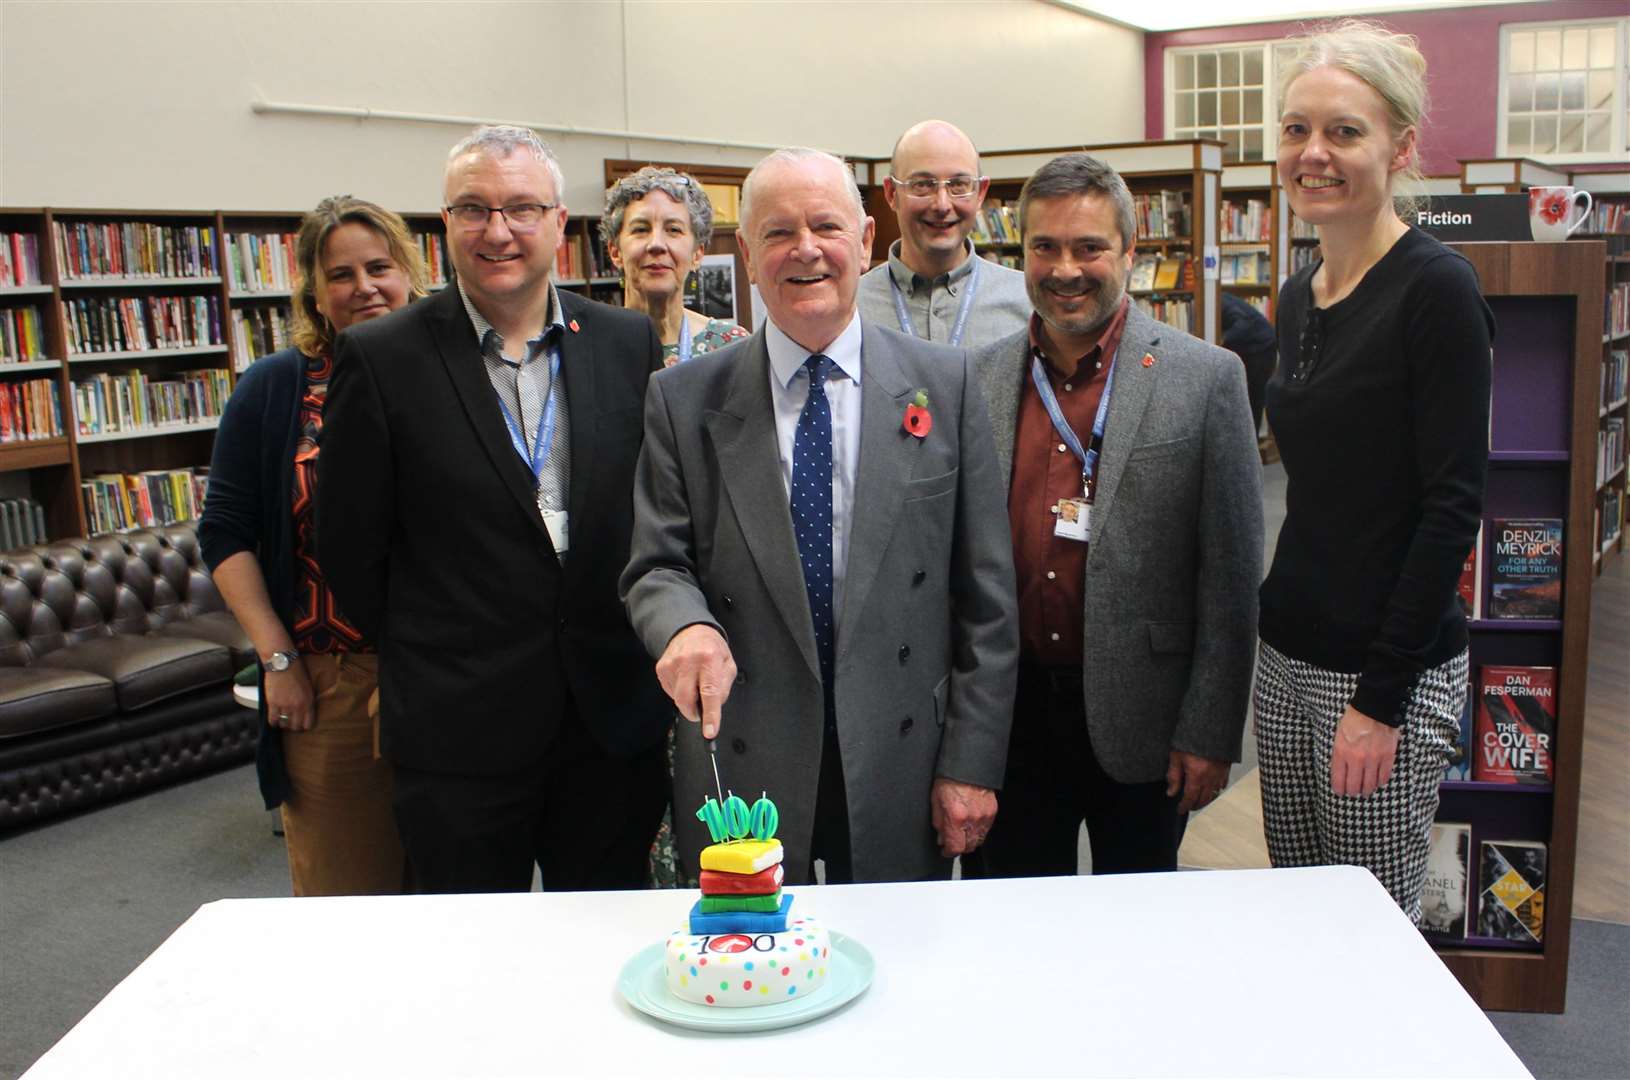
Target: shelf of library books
[[259, 269], [1176, 192], [1609, 223], [1252, 234], [1500, 876]]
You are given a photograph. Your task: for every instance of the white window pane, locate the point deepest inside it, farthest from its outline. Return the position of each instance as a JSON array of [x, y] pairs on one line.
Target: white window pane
[[1522, 51], [1185, 110], [1573, 90], [1545, 92], [1544, 135], [1520, 94], [1598, 132], [1575, 47], [1599, 95], [1571, 138], [1253, 106], [1547, 50], [1230, 106], [1601, 47], [1206, 108], [1183, 71], [1205, 69], [1252, 75], [1230, 146], [1251, 148], [1518, 135], [1229, 62]]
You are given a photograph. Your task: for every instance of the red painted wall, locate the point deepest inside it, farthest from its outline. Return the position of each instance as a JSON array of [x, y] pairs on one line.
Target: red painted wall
[[1462, 50]]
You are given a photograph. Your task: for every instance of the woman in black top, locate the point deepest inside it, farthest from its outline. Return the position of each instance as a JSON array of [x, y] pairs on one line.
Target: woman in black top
[[1380, 410]]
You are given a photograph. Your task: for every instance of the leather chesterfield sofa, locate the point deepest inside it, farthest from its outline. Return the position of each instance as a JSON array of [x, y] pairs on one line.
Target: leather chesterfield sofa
[[116, 663]]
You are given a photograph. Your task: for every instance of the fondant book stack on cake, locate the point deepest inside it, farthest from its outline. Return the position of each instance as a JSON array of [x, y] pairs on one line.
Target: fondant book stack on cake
[[742, 945]]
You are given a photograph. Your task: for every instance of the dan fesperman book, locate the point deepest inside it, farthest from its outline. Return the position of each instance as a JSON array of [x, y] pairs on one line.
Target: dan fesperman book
[[1516, 725], [1525, 569]]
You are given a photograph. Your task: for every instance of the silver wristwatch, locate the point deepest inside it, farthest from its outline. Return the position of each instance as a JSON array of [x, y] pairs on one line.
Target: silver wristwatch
[[281, 661]]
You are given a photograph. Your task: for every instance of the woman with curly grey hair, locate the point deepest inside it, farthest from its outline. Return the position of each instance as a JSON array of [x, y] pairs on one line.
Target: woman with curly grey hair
[[656, 225]]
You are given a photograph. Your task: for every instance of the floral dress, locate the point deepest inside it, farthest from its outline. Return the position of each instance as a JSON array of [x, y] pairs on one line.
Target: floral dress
[[715, 335]]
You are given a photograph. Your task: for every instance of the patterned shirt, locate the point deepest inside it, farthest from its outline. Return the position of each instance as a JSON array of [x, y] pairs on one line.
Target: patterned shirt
[[715, 335], [319, 626]]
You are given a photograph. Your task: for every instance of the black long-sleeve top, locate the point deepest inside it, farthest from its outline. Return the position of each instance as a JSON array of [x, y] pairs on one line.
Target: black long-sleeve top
[[1380, 408]]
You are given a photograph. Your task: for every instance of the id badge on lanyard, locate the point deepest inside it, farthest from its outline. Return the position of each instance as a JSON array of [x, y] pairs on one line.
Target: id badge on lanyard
[[555, 521], [1073, 519]]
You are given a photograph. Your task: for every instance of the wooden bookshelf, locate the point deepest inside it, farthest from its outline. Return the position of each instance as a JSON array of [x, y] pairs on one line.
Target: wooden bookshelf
[[1251, 195], [1609, 224], [1547, 300]]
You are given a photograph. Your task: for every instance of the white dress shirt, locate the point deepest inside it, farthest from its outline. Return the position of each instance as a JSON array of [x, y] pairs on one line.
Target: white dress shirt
[[789, 389]]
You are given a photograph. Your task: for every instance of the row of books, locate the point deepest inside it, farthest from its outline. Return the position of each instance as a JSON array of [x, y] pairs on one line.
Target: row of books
[[30, 409], [19, 259], [1507, 727], [1245, 268], [130, 401], [1608, 217], [1247, 222], [1161, 273], [1609, 517], [1302, 230], [260, 262], [1009, 259], [996, 223], [1609, 448], [569, 260], [1178, 313], [1162, 215], [260, 330], [600, 265], [433, 250], [22, 335], [1524, 571], [1616, 313], [1302, 256], [1613, 375], [144, 500], [22, 522], [131, 324], [1261, 302], [1509, 884], [87, 250]]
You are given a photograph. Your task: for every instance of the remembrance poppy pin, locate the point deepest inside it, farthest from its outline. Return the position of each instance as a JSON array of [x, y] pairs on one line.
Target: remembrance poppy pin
[[1148, 359], [918, 421], [574, 326]]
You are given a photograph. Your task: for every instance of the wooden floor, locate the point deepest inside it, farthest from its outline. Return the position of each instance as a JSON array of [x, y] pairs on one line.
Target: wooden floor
[[1228, 834]]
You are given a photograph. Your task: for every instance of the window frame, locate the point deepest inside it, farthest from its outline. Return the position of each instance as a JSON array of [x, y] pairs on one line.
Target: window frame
[[1619, 121]]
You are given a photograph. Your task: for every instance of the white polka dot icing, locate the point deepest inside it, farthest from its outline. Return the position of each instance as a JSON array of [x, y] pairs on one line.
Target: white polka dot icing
[[738, 970]]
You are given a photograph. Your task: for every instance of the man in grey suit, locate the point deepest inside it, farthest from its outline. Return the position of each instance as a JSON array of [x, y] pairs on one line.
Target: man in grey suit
[[820, 561], [1134, 498]]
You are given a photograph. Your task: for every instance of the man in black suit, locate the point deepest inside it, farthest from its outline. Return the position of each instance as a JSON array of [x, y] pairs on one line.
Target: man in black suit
[[473, 511]]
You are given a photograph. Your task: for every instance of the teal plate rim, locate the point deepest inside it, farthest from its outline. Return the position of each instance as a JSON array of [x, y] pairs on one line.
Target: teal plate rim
[[641, 984]]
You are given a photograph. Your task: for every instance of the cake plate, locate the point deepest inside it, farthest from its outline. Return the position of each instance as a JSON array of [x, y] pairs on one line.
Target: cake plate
[[643, 986]]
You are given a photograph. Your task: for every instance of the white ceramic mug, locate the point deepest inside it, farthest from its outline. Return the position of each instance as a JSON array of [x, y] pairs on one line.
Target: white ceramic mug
[[1549, 209]]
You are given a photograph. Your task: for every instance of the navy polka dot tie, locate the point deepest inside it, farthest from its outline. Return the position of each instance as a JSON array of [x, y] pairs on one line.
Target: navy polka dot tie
[[812, 513]]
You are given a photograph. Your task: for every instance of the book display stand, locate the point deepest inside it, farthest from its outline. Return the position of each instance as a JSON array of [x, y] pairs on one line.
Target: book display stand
[[1547, 301]]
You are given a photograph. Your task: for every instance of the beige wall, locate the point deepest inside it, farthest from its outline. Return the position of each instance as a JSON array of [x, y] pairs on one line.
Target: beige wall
[[147, 105]]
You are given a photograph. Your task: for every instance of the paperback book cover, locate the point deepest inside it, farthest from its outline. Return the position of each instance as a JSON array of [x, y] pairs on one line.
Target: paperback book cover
[[1512, 903], [1470, 589], [1447, 892], [1525, 569], [1516, 723], [1460, 754]]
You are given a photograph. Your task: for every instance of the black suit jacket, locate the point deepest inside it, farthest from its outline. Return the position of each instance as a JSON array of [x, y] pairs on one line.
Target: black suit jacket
[[429, 534]]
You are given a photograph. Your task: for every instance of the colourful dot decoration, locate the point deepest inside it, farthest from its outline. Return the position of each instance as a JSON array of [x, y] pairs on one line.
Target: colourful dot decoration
[[810, 974], [821, 972], [693, 969], [702, 960], [710, 999], [764, 989], [791, 990], [683, 980], [748, 965], [785, 970], [724, 986], [798, 941], [747, 984]]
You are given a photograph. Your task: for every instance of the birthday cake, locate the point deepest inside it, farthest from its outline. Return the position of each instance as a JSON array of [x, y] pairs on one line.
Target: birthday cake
[[743, 945]]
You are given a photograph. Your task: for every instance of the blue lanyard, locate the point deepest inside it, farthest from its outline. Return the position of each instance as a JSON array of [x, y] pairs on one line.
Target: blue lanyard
[[1049, 401], [962, 316], [546, 430], [684, 340]]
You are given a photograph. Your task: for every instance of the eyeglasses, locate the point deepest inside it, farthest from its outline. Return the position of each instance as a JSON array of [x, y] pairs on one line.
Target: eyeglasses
[[925, 187], [521, 217]]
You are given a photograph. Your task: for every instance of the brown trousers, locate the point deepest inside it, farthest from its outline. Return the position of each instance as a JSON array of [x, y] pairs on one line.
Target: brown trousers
[[337, 822]]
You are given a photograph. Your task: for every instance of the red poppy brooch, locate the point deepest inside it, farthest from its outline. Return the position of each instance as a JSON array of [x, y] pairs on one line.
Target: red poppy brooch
[[918, 420]]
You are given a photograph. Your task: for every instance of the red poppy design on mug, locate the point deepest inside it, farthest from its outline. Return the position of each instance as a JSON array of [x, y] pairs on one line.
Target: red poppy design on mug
[[918, 421], [1551, 205]]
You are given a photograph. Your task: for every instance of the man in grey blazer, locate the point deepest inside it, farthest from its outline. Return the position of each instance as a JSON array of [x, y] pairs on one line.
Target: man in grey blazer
[[820, 560], [1134, 498]]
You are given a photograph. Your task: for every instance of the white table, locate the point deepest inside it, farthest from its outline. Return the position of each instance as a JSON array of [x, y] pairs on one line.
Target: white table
[[1251, 973]]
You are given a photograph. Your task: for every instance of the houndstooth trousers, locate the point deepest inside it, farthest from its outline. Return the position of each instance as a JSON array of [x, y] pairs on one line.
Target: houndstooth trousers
[[1297, 706]]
